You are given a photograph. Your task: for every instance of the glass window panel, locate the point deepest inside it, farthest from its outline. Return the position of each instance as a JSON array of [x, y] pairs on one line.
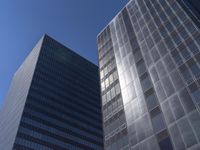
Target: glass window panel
[[160, 92], [195, 122], [162, 48], [177, 58], [186, 100], [194, 68], [157, 120], [151, 99], [176, 38], [193, 48], [156, 36], [154, 74], [155, 54], [150, 42], [169, 63], [145, 82], [161, 69], [185, 73], [187, 133], [183, 32], [167, 112], [195, 91], [168, 87], [185, 53], [165, 144], [148, 59], [176, 137], [176, 107], [177, 80], [153, 144], [141, 67]]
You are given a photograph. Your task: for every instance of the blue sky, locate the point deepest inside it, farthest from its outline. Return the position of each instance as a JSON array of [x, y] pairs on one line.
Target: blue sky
[[75, 23]]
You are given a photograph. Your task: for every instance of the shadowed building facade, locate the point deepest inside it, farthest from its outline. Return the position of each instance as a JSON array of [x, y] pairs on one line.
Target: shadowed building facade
[[53, 102], [149, 59]]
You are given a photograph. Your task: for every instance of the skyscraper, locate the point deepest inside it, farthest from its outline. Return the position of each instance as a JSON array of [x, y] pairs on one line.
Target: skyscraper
[[149, 59], [53, 102]]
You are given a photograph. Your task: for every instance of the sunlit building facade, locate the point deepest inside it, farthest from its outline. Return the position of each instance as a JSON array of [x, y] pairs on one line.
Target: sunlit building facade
[[53, 102], [149, 59]]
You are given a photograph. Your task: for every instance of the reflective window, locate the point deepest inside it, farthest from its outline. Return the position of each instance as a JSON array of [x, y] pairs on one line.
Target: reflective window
[[176, 107], [185, 73], [154, 74], [151, 99], [168, 87], [165, 144], [176, 137], [187, 133], [169, 63], [145, 82], [177, 80], [195, 120], [195, 91], [186, 100], [157, 120], [194, 67]]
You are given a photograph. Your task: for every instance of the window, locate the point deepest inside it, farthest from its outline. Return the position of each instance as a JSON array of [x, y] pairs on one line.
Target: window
[[176, 137], [185, 73], [167, 112], [157, 120], [176, 107], [185, 53], [141, 67], [151, 99], [193, 48], [194, 68], [162, 48], [182, 32], [165, 144], [145, 82], [195, 91], [169, 43], [177, 58], [163, 17], [161, 69], [187, 133], [160, 92], [169, 26], [148, 59], [156, 36], [152, 26], [169, 63], [177, 80], [186, 100], [190, 27], [155, 54], [150, 42], [168, 87], [175, 21], [195, 120], [154, 74], [176, 38]]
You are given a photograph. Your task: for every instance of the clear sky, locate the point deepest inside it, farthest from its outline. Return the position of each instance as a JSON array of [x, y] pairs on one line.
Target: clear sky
[[75, 23]]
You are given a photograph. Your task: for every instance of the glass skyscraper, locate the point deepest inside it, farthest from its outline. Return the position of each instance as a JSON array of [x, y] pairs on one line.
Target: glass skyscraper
[[149, 59], [53, 102]]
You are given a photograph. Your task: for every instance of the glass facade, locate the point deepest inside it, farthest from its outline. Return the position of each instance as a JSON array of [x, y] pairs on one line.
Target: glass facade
[[62, 107], [153, 47]]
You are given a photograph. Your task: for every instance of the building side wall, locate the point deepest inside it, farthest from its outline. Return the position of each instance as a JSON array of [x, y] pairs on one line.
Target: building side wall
[[157, 51], [16, 97], [63, 108]]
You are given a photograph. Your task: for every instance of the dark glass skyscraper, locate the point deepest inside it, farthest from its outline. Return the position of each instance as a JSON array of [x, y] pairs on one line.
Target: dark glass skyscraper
[[149, 59], [53, 102]]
